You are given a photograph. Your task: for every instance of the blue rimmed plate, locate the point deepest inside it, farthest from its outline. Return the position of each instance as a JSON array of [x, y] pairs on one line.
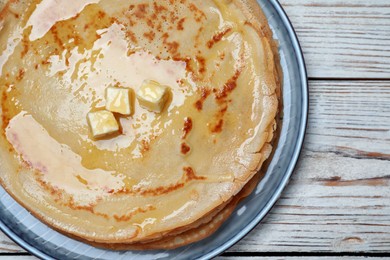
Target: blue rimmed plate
[[46, 243]]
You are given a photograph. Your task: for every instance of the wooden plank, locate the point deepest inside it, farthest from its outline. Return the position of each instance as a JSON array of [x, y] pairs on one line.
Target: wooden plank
[[343, 38], [17, 257], [331, 205], [350, 119], [339, 196], [8, 246]]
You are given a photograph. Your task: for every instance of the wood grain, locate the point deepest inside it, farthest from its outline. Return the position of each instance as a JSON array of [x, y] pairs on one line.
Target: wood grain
[[328, 210], [343, 38], [8, 246], [339, 196]]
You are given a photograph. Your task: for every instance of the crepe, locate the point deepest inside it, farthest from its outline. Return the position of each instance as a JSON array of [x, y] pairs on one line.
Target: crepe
[[212, 221], [165, 173]]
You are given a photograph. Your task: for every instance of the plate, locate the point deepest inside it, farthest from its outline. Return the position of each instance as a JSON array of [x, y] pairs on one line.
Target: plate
[[43, 242]]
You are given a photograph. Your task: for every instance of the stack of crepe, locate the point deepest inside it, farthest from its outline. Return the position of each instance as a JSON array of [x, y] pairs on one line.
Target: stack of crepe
[[168, 179]]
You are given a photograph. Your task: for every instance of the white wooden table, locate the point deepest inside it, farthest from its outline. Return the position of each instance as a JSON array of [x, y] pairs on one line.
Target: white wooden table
[[338, 202]]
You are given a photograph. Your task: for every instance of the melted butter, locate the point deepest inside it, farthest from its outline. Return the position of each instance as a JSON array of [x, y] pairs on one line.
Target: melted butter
[[254, 48], [179, 211], [49, 12], [89, 73], [146, 222], [229, 14], [61, 168], [120, 102], [108, 63], [220, 178]]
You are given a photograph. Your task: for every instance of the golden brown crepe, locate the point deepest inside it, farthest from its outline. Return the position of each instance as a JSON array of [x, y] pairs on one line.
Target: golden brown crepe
[[212, 221], [165, 174]]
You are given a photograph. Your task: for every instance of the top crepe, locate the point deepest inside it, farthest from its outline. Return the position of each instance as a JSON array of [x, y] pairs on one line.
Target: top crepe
[[164, 171]]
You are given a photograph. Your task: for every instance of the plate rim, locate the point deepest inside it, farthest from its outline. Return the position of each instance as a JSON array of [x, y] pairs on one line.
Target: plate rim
[[283, 183]]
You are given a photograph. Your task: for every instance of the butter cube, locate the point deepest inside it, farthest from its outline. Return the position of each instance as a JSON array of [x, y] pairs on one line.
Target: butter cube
[[118, 100], [153, 96], [102, 123]]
